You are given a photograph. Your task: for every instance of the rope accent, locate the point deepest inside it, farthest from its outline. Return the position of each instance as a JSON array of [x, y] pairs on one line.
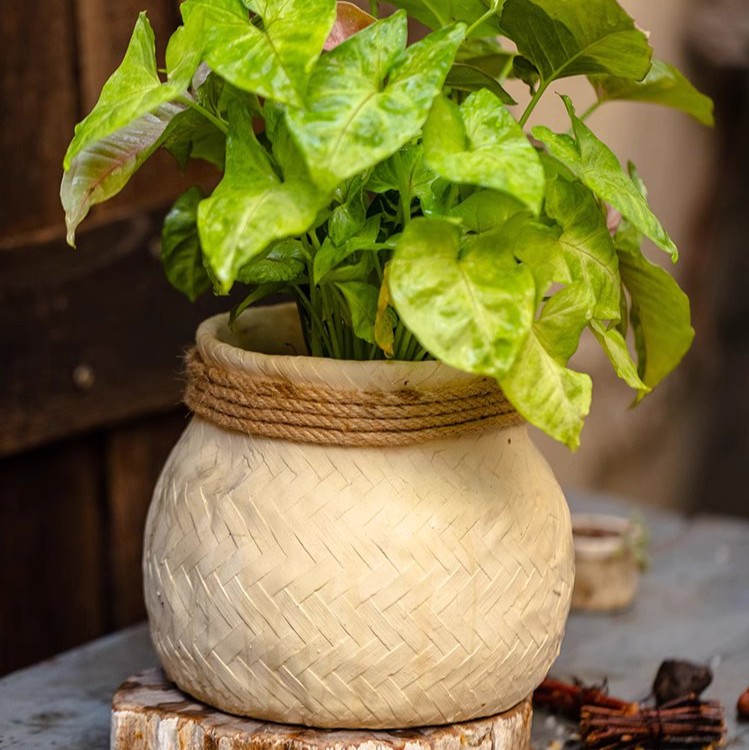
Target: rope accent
[[305, 413]]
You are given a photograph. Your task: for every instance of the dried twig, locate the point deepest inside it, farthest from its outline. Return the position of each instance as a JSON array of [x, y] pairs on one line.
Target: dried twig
[[683, 723], [567, 699]]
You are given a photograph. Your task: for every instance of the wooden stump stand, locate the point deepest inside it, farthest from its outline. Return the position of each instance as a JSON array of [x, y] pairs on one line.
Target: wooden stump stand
[[150, 713]]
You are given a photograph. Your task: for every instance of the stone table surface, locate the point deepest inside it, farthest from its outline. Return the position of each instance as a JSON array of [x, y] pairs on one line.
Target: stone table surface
[[693, 603]]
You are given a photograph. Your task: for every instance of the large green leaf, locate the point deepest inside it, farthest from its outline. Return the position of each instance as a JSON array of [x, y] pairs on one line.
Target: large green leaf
[[660, 316], [548, 394], [480, 143], [252, 206], [439, 13], [133, 91], [664, 84], [470, 306], [273, 59], [574, 37], [181, 254], [597, 166], [104, 167], [370, 96]]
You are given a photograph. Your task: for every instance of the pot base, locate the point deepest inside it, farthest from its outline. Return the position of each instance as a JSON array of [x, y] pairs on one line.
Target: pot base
[[150, 713]]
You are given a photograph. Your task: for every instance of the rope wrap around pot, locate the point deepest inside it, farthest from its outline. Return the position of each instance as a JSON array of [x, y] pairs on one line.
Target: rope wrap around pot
[[306, 413]]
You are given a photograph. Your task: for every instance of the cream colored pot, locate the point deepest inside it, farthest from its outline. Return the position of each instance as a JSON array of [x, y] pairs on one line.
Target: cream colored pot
[[340, 586]]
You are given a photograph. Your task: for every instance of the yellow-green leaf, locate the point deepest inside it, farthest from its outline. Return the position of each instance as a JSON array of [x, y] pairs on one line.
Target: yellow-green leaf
[[597, 166], [577, 37], [370, 96], [664, 85], [467, 303], [480, 143]]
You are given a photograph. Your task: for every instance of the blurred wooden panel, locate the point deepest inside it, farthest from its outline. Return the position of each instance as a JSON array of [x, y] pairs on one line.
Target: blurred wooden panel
[[135, 455], [51, 572], [38, 108], [90, 336]]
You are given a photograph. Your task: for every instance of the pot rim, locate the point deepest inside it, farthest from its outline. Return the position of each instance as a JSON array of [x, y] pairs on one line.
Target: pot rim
[[625, 533], [276, 332]]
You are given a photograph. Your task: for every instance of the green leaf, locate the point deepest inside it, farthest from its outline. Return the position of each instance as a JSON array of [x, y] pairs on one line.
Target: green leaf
[[485, 210], [613, 343], [438, 13], [593, 287], [597, 166], [548, 394], [564, 318], [274, 60], [468, 304], [104, 167], [486, 54], [330, 255], [252, 206], [464, 77], [370, 96], [664, 85], [660, 315], [181, 254], [480, 143], [133, 91], [284, 262], [256, 295], [361, 299], [586, 245], [421, 181], [192, 136], [525, 71], [217, 96], [568, 37], [349, 216]]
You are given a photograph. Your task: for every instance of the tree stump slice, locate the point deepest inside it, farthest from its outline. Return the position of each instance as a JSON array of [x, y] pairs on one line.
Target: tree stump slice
[[150, 713]]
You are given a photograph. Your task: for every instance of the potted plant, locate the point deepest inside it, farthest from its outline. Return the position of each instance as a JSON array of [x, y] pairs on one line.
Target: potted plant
[[355, 529]]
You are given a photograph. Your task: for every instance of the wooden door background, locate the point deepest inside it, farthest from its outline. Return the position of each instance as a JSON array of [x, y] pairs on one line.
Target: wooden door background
[[90, 386], [89, 338]]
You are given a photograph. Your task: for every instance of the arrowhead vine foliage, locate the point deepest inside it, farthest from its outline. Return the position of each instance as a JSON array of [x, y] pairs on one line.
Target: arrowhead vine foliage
[[391, 190]]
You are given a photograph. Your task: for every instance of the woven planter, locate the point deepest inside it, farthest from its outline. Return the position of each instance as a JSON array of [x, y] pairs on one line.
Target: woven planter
[[352, 544]]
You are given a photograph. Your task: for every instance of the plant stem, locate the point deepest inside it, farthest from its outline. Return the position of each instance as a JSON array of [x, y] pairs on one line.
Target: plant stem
[[588, 112], [317, 325], [476, 24], [404, 190], [374, 8], [192, 104], [532, 104], [505, 69]]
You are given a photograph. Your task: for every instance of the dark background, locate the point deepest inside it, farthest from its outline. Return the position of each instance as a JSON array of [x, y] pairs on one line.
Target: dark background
[[90, 339]]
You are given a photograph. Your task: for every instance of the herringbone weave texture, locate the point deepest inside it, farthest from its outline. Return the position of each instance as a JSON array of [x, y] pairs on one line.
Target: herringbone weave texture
[[357, 587]]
